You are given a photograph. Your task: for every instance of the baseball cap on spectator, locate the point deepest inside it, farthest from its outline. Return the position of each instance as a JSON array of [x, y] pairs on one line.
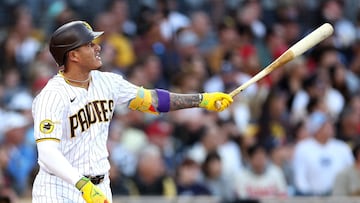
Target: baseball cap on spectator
[[187, 38], [56, 8], [159, 129], [20, 101], [134, 140], [315, 121], [13, 121]]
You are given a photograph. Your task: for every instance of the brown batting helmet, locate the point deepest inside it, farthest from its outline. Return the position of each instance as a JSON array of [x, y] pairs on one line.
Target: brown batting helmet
[[70, 36]]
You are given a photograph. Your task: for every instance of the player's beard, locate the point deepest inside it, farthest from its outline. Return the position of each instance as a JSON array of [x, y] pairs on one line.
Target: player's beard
[[98, 59]]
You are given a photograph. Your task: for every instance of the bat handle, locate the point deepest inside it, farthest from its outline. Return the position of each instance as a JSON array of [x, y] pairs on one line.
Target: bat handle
[[232, 94], [218, 104]]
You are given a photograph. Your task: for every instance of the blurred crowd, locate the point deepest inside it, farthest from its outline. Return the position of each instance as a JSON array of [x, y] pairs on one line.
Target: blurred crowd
[[294, 133]]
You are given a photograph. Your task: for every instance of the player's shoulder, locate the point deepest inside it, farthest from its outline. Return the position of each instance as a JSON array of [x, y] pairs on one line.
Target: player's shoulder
[[103, 74], [54, 87]]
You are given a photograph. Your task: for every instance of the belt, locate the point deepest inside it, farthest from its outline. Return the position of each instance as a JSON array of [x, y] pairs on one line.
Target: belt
[[96, 179]]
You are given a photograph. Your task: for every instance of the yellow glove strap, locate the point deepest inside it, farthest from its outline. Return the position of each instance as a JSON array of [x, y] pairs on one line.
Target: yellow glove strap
[[80, 184]]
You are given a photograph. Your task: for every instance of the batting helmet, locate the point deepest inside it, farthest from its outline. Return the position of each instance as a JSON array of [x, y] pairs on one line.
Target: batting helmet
[[70, 36]]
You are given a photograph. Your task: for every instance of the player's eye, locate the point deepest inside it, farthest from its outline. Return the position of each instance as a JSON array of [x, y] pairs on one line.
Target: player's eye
[[91, 44]]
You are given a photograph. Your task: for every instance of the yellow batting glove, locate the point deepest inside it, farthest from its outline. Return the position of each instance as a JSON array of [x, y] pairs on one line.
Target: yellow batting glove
[[209, 101], [90, 192]]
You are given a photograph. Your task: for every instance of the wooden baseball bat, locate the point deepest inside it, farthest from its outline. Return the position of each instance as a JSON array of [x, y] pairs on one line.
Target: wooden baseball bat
[[295, 50]]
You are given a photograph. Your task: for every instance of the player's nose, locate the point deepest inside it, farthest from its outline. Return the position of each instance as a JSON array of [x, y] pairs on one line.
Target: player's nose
[[97, 47]]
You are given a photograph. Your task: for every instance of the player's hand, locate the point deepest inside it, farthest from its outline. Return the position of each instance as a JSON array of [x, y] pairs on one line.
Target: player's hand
[[209, 101], [90, 192]]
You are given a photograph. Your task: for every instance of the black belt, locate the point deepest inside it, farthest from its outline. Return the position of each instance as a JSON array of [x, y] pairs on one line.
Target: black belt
[[96, 179]]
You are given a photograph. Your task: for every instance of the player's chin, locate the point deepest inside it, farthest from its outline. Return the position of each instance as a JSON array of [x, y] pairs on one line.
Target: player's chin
[[98, 63]]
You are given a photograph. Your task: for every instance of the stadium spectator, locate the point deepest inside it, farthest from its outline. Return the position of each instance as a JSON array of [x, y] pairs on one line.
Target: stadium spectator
[[188, 180], [21, 156], [228, 42], [171, 19], [319, 158], [12, 84], [220, 184], [260, 178], [120, 11], [126, 140], [119, 44], [202, 27], [22, 42], [292, 82], [348, 127], [332, 11], [250, 14], [209, 141], [347, 181], [274, 121], [159, 133], [229, 149], [150, 178]]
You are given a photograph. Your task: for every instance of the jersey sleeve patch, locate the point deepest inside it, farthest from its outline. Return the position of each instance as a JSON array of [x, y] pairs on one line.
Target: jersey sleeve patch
[[46, 126]]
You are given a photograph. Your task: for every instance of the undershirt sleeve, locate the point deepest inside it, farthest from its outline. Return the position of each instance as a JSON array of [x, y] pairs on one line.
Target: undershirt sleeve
[[48, 111], [55, 162]]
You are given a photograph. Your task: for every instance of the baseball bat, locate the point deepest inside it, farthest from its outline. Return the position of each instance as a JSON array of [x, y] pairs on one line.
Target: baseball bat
[[295, 50]]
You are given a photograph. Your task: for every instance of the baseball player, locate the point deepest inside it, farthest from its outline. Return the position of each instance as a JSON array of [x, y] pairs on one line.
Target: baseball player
[[73, 112]]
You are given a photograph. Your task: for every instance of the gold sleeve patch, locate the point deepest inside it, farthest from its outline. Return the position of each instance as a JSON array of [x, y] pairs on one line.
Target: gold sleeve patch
[[46, 126]]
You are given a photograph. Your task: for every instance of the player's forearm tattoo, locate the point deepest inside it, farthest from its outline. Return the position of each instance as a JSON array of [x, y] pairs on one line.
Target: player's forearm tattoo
[[154, 98], [181, 101]]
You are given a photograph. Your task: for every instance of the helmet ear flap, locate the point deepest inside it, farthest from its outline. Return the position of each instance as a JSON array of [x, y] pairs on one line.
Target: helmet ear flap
[[68, 37]]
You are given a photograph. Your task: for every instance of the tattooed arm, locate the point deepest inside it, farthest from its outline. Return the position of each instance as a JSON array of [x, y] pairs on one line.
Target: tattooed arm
[[180, 101], [204, 100]]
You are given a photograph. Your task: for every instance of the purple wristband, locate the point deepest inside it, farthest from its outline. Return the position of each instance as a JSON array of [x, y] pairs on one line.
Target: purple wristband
[[163, 100]]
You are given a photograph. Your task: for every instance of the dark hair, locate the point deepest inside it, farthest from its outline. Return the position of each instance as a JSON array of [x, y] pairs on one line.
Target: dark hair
[[252, 150], [313, 102], [186, 162], [356, 151], [4, 199], [211, 156]]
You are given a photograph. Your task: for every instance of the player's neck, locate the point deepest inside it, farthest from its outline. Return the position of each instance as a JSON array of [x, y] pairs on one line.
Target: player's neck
[[76, 79]]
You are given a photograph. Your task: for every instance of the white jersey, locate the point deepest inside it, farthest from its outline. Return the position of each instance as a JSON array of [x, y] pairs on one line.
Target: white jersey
[[269, 184], [79, 120], [316, 165]]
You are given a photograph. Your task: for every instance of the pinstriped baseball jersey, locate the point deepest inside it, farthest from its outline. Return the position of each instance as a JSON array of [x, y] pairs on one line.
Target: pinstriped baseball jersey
[[79, 119]]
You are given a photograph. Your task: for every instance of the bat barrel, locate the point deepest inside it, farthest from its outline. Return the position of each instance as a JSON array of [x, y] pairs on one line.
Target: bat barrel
[[297, 49]]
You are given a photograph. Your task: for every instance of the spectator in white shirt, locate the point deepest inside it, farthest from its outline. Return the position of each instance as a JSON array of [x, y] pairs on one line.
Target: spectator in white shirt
[[261, 178], [319, 158]]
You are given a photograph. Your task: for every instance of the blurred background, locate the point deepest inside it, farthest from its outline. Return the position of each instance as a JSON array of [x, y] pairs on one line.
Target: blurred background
[[294, 134]]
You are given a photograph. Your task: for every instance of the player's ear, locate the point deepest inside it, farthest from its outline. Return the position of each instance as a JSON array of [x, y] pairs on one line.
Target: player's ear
[[73, 56]]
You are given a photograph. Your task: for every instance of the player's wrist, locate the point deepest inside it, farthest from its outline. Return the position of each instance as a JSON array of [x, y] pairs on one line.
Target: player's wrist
[[201, 99], [81, 183]]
